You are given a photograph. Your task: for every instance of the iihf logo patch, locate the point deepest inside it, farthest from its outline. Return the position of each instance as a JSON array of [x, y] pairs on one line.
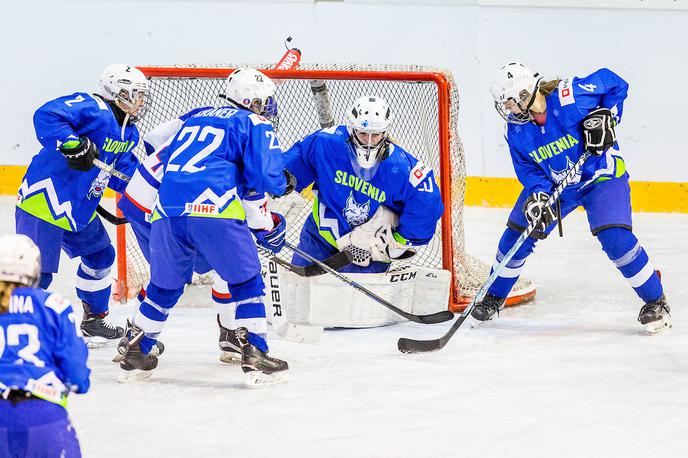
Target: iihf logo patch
[[355, 213]]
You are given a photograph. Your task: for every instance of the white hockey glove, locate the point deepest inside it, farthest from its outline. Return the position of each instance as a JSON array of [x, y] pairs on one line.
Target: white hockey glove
[[257, 214], [387, 248], [361, 241]]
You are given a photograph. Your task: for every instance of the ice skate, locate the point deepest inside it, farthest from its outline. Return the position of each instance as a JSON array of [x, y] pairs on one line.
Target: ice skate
[[260, 369], [98, 332], [156, 351], [655, 315], [485, 309], [135, 364], [230, 349]]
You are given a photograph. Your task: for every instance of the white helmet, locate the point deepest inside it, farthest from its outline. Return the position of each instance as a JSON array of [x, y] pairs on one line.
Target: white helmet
[[515, 82], [20, 260], [127, 85], [251, 89], [369, 116]]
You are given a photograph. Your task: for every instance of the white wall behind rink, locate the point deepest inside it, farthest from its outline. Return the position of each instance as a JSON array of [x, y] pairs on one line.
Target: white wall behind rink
[[52, 48]]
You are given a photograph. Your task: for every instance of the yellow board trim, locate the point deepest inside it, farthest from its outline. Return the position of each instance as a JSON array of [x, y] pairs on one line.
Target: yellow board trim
[[646, 196]]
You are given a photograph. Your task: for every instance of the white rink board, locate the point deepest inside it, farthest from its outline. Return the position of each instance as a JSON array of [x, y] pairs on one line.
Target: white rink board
[[566, 376]]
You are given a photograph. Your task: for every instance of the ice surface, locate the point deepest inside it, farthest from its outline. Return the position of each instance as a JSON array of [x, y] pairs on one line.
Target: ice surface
[[569, 375]]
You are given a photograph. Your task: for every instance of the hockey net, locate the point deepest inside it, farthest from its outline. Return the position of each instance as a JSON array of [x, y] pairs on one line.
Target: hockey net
[[425, 105]]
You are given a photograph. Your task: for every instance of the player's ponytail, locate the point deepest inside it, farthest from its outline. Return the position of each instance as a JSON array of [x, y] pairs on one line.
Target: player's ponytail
[[6, 288], [547, 87]]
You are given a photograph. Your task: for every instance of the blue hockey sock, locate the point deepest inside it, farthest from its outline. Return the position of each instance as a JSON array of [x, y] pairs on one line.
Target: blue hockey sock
[[509, 275], [93, 282], [624, 250], [155, 308], [247, 298]]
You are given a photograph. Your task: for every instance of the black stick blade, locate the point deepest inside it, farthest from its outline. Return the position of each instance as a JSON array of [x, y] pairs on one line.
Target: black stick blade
[[418, 346], [439, 317]]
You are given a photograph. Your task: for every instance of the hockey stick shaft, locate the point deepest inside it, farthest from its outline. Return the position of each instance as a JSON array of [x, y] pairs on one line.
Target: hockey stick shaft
[[432, 318], [111, 170], [406, 345]]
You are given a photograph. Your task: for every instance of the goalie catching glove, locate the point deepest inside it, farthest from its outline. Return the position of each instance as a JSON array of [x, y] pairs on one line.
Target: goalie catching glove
[[598, 131], [536, 211], [374, 240], [80, 153]]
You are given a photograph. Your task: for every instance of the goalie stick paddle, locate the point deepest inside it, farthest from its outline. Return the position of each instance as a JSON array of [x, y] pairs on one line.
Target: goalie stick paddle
[[433, 318], [406, 345]]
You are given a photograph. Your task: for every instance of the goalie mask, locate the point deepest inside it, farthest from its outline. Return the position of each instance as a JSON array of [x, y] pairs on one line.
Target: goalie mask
[[20, 260], [128, 87], [513, 91], [368, 122], [248, 88]]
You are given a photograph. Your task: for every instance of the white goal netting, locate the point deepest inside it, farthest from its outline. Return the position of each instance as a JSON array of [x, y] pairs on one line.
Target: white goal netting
[[425, 106]]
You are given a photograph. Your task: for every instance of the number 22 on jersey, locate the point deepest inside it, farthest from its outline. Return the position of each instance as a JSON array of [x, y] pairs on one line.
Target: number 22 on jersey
[[186, 157]]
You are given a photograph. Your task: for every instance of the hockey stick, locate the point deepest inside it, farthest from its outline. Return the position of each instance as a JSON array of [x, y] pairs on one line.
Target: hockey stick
[[406, 345], [433, 318], [337, 261]]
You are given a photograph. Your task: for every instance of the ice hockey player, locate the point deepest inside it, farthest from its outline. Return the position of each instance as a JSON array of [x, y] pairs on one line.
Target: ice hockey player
[[136, 205], [218, 156], [549, 125], [42, 358], [61, 190], [359, 173]]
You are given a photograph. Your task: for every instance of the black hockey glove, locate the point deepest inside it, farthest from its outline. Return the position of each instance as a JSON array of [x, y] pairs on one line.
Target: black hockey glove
[[80, 153], [598, 131], [536, 211]]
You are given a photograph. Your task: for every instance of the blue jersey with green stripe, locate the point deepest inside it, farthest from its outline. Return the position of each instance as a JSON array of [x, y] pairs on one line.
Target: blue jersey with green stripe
[[62, 196], [344, 200], [216, 158], [543, 154], [41, 348]]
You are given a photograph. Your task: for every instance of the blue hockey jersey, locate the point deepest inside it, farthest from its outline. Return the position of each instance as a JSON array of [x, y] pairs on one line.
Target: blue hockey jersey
[[57, 194], [216, 158], [543, 154], [343, 200], [41, 348]]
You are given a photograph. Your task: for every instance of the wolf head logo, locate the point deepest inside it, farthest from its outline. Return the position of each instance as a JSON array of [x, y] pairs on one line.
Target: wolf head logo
[[355, 213], [559, 175], [99, 184]]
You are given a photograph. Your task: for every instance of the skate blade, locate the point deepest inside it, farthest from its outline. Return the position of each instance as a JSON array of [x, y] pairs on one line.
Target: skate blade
[[133, 375], [658, 326], [119, 356], [230, 357], [100, 342], [258, 379]]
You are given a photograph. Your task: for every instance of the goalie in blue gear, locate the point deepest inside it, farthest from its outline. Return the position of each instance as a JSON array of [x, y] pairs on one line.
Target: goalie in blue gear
[[371, 197], [42, 358], [58, 197], [549, 125], [219, 157]]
